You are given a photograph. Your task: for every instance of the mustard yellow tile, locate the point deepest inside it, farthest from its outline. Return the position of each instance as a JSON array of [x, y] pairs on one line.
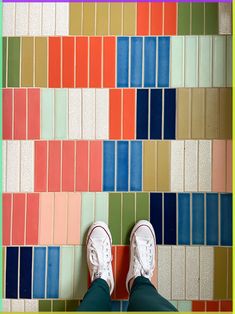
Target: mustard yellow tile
[[220, 273], [212, 113], [27, 62], [230, 265], [225, 113], [89, 18], [198, 113], [149, 166], [163, 165], [129, 19], [183, 113], [41, 61], [115, 18], [75, 18], [102, 19]]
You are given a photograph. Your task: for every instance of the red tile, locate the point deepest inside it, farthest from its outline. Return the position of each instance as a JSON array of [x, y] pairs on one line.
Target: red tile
[[226, 306], [198, 306], [18, 219], [33, 113], [95, 61], [114, 254], [20, 114], [7, 113], [156, 18], [142, 18], [115, 114], [81, 61], [170, 9], [109, 60], [128, 113], [82, 166], [212, 306], [122, 266], [40, 177], [68, 62], [95, 166], [6, 218], [32, 218], [54, 61], [54, 165], [68, 161]]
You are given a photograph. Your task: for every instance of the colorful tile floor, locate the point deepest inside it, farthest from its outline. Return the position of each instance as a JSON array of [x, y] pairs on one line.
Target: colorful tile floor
[[116, 112]]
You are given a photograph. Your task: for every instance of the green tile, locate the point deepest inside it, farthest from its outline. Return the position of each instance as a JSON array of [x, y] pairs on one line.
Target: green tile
[[102, 207], [80, 272], [47, 113], [58, 306], [183, 18], [44, 305], [66, 272], [61, 114], [128, 216], [13, 62], [211, 19], [71, 305], [4, 60], [197, 19], [185, 306], [142, 206], [115, 217], [87, 214]]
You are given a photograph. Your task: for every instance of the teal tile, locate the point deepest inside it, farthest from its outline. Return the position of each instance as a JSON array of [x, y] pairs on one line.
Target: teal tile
[[128, 216], [61, 113], [87, 214], [102, 207], [47, 113]]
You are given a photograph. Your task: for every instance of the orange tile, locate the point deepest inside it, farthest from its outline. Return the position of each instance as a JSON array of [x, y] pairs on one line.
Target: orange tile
[[68, 162], [219, 166], [20, 114], [40, 167], [229, 167], [156, 18], [122, 266], [32, 219], [74, 218], [54, 166], [95, 61], [82, 166], [109, 59], [18, 219], [128, 113], [95, 182], [115, 114], [198, 306], [81, 62], [6, 218], [68, 62], [46, 213], [7, 110], [60, 219], [33, 113], [54, 61], [170, 9], [142, 18]]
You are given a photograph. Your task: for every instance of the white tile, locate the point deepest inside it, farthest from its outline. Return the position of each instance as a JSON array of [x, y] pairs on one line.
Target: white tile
[[164, 271], [75, 115], [31, 306], [6, 305], [102, 207], [66, 272], [177, 61], [219, 61], [190, 157], [192, 273], [102, 113], [13, 166], [27, 166], [177, 166], [22, 19], [225, 20], [35, 18], [17, 305], [205, 61], [229, 61], [4, 165], [88, 113], [80, 272], [206, 272], [204, 165], [62, 19], [48, 19], [8, 16], [178, 272]]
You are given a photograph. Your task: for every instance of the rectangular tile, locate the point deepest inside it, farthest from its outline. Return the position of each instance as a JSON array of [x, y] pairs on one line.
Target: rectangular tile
[[122, 177], [206, 273], [150, 61], [27, 56], [198, 21], [8, 10], [75, 18], [6, 218], [163, 165], [129, 113], [115, 217], [229, 61], [177, 62], [156, 23], [82, 165], [211, 18], [48, 19], [205, 61], [219, 166], [212, 113], [183, 113], [61, 114], [68, 164], [163, 61], [54, 166], [142, 207], [136, 166], [31, 305], [109, 61], [184, 18], [212, 217], [226, 306], [62, 19], [224, 18], [198, 306], [115, 107], [21, 19], [136, 61], [198, 113], [13, 166], [80, 272], [88, 114], [123, 61], [178, 273], [191, 61], [102, 113], [226, 219], [128, 216], [25, 272], [66, 272], [184, 218], [219, 61], [95, 55], [156, 217], [169, 113], [74, 113], [212, 306], [102, 19], [40, 166], [129, 19], [164, 273], [17, 305], [34, 118], [143, 18], [190, 170], [177, 166], [41, 44], [192, 273], [47, 113], [88, 26], [198, 223], [74, 218], [71, 305], [142, 114], [12, 272], [18, 219], [220, 273], [95, 166], [225, 113], [35, 19], [60, 219], [229, 167], [45, 305], [4, 61], [27, 166], [121, 271], [229, 283], [87, 214], [116, 18], [4, 165], [32, 219], [102, 207], [6, 305], [13, 68], [20, 114], [170, 18], [169, 218], [54, 62], [68, 59], [108, 165], [204, 165], [149, 166], [46, 214], [58, 305], [81, 61], [53, 265], [156, 114]]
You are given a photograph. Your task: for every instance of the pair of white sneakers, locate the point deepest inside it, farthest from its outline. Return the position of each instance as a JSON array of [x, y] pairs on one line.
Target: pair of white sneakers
[[142, 252]]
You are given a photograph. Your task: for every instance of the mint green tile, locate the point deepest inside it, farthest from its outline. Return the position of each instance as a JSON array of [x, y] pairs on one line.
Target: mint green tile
[[185, 306], [229, 61], [13, 62], [80, 272], [205, 61], [197, 19], [87, 214], [177, 61], [102, 207], [47, 113], [142, 206], [219, 61], [128, 216], [71, 305], [115, 217], [66, 272], [44, 305], [191, 61], [4, 60], [58, 305], [61, 113], [211, 19], [183, 18]]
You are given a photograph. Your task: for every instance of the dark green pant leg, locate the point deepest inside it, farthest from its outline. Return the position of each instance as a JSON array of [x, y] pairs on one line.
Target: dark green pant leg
[[97, 298], [144, 297]]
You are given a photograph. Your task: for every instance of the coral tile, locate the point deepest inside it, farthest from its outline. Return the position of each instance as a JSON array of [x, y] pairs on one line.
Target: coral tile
[[6, 218], [128, 114], [68, 165], [40, 166], [54, 62], [32, 219], [170, 12], [33, 113], [19, 114], [82, 165], [156, 24], [60, 219], [18, 219], [143, 18], [7, 113], [54, 166], [46, 214]]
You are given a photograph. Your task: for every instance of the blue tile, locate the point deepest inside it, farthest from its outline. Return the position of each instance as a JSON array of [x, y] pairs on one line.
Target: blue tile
[[122, 61], [12, 273], [142, 114], [53, 266], [156, 114], [122, 166], [198, 218], [226, 219], [39, 272], [150, 61], [124, 306], [116, 306], [169, 114], [212, 232], [163, 61], [136, 166], [169, 218], [136, 61], [25, 272], [184, 218], [156, 215], [108, 165]]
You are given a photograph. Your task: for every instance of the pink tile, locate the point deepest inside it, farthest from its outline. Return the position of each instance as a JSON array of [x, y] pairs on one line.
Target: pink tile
[[60, 218], [82, 166], [7, 114], [46, 213], [219, 166], [20, 114], [229, 166], [74, 218], [18, 219], [95, 166], [6, 218], [32, 217]]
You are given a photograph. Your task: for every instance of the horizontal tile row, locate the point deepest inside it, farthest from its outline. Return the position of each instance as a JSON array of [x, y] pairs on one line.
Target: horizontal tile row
[[64, 218], [177, 61], [177, 166], [212, 306], [22, 19], [61, 272], [117, 113]]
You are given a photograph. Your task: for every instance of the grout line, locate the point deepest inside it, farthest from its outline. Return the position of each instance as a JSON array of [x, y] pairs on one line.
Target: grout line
[[6, 61], [163, 111], [143, 56], [109, 17], [95, 19], [129, 61], [177, 218], [219, 218], [46, 271], [32, 271], [20, 60]]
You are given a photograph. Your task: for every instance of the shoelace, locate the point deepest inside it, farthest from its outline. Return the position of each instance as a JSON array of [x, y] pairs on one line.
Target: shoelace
[[143, 253]]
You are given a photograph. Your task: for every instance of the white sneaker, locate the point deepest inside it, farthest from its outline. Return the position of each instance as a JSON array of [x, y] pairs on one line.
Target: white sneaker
[[142, 251], [99, 253]]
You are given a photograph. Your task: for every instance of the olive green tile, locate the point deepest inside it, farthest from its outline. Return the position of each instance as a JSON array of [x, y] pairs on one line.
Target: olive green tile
[[142, 206], [27, 61], [41, 61], [71, 305], [75, 18], [220, 273], [183, 18], [115, 217], [197, 27], [44, 305], [4, 60], [102, 18], [58, 306], [13, 62], [225, 113], [89, 19], [211, 19], [128, 216], [230, 270]]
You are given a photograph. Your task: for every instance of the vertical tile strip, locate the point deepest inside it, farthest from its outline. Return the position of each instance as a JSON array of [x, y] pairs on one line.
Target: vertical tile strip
[[25, 272], [183, 113], [27, 56], [169, 113], [81, 61], [142, 114], [13, 166], [75, 17], [220, 273], [129, 100], [178, 273], [163, 61], [212, 219], [198, 218], [184, 19], [143, 18], [170, 18], [87, 214], [219, 166], [136, 61], [156, 114], [149, 166], [82, 165], [68, 163], [54, 62], [108, 165], [7, 113], [115, 109], [177, 166], [205, 61], [19, 114], [128, 216], [54, 166], [122, 166], [47, 113], [13, 73], [102, 114], [109, 61], [12, 272], [80, 272], [226, 219], [192, 273], [163, 165], [204, 169], [198, 113], [18, 219], [164, 273], [34, 119], [46, 218], [66, 272], [75, 113], [41, 63], [74, 218], [184, 218], [95, 59], [6, 218], [156, 24], [32, 219], [122, 61], [40, 166], [115, 217], [95, 166], [156, 215], [136, 166], [102, 19], [27, 166], [61, 114], [169, 218], [53, 265], [60, 219], [177, 61], [206, 272], [68, 61], [116, 19]]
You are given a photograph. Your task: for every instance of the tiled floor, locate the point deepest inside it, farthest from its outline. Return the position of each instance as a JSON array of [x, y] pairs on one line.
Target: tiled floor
[[116, 112]]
